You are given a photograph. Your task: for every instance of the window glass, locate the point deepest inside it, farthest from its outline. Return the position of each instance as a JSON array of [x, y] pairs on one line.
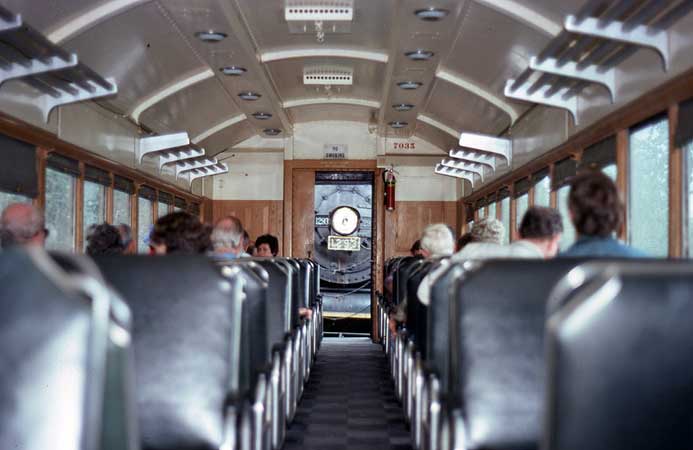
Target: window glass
[[144, 224], [505, 218], [7, 199], [492, 210], [121, 208], [611, 171], [648, 208], [60, 210], [521, 206], [568, 237], [162, 209], [94, 211], [542, 192], [470, 225]]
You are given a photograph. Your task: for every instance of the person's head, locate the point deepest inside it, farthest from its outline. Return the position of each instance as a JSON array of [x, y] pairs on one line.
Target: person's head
[[227, 236], [415, 249], [437, 240], [104, 239], [22, 224], [488, 230], [180, 232], [594, 205], [543, 227], [129, 243], [266, 246], [465, 239]]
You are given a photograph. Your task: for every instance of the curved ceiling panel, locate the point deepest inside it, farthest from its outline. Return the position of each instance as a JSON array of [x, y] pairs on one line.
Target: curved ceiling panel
[[288, 76], [370, 28], [227, 138], [218, 127], [462, 110], [141, 49], [435, 136], [336, 112], [193, 109], [48, 17], [87, 18]]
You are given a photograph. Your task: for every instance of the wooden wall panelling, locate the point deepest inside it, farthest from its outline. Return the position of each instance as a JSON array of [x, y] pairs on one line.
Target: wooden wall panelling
[[404, 225], [303, 214], [258, 216]]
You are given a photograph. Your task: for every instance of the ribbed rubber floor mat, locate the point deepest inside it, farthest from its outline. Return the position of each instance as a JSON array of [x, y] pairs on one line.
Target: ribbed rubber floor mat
[[349, 403]]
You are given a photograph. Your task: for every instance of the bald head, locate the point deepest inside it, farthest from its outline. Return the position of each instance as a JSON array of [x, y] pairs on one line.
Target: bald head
[[22, 224]]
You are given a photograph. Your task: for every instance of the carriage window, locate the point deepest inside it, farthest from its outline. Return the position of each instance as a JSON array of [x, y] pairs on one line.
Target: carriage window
[[648, 209], [542, 192], [60, 210], [162, 209], [94, 206], [121, 208], [568, 236], [144, 224], [492, 210], [482, 213], [521, 206], [505, 218], [7, 199]]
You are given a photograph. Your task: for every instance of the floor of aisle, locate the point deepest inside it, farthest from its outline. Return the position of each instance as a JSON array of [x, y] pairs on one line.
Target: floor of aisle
[[349, 402]]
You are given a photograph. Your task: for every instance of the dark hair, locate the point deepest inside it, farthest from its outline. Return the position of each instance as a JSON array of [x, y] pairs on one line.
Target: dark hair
[[415, 247], [270, 240], [595, 205], [540, 223], [465, 239], [104, 239], [181, 232]]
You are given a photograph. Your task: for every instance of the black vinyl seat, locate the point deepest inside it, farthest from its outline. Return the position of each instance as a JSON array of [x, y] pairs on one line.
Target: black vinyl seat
[[620, 373], [187, 351]]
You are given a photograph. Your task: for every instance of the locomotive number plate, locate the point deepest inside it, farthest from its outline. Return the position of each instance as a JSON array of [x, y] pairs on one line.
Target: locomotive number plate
[[344, 243]]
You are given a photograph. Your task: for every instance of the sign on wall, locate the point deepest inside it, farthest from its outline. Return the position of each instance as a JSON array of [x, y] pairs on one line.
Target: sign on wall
[[335, 151]]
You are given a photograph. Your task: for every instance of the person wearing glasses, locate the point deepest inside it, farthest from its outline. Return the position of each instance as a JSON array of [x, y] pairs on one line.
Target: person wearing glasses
[[22, 224]]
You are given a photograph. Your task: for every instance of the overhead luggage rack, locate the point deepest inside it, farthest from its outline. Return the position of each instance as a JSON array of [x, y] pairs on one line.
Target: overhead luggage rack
[[27, 55], [593, 43]]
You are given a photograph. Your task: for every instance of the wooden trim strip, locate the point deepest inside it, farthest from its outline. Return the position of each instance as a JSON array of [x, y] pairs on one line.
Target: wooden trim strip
[[677, 187], [622, 144]]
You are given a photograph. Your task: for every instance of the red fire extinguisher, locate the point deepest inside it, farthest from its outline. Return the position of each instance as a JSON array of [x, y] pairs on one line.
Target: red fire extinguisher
[[389, 179]]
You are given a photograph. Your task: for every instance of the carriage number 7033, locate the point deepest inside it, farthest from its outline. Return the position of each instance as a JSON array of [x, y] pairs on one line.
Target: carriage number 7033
[[404, 146]]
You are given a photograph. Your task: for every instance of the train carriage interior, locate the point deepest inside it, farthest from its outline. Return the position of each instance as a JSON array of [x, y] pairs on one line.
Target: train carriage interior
[[346, 224]]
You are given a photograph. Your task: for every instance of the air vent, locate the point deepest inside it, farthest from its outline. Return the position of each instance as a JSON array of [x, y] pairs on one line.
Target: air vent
[[322, 17], [331, 76]]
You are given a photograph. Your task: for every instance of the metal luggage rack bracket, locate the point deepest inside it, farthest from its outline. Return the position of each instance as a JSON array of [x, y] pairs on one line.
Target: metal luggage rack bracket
[[155, 144], [456, 173], [194, 164], [207, 171], [594, 41], [61, 79]]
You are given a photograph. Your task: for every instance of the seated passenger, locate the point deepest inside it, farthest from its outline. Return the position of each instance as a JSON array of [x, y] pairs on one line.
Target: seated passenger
[[126, 236], [227, 238], [415, 249], [462, 242], [22, 224], [266, 246], [180, 232], [486, 238], [104, 239], [597, 213], [540, 231]]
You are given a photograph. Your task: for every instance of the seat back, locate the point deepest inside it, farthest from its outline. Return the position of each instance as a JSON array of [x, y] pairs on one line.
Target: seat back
[[619, 358], [53, 345], [498, 354], [401, 275], [417, 312], [278, 301], [186, 338], [294, 289]]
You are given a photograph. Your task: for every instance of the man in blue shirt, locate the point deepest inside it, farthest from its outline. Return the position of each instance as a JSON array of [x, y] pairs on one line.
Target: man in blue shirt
[[597, 213]]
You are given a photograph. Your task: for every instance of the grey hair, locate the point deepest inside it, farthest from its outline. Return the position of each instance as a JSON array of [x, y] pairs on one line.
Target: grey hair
[[488, 230], [17, 232], [227, 233], [438, 240]]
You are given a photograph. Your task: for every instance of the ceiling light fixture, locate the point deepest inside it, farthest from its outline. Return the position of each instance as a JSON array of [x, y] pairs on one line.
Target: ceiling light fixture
[[272, 131], [262, 115], [210, 36], [402, 107], [233, 71], [398, 124], [420, 55], [409, 85], [249, 96], [431, 14]]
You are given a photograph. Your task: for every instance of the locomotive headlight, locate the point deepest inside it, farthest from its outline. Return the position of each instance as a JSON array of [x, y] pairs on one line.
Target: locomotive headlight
[[345, 220]]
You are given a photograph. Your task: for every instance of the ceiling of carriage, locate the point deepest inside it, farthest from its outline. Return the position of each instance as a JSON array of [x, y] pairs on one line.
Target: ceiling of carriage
[[170, 80]]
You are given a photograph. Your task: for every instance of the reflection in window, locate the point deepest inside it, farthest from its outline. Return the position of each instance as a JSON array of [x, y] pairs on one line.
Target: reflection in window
[[521, 206], [611, 171], [7, 199], [568, 236], [162, 209], [492, 210], [144, 224], [60, 210], [121, 208], [94, 211], [505, 218], [648, 208], [542, 192]]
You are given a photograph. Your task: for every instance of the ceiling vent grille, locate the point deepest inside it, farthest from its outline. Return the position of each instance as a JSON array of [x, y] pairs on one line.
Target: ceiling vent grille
[[328, 76], [321, 17]]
